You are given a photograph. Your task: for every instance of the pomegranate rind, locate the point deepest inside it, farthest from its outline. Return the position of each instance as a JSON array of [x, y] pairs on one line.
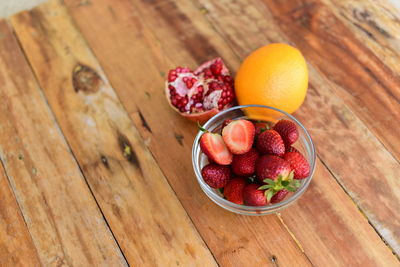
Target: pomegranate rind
[[202, 116]]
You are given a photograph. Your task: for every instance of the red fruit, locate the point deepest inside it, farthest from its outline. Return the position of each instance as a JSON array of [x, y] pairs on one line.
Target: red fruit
[[245, 164], [299, 164], [291, 149], [233, 191], [279, 196], [214, 147], [270, 142], [198, 95], [238, 136], [287, 130], [216, 176], [261, 127], [271, 167], [254, 197], [226, 122]]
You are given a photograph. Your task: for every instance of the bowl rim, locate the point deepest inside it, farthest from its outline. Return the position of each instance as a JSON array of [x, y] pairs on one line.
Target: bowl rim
[[241, 208]]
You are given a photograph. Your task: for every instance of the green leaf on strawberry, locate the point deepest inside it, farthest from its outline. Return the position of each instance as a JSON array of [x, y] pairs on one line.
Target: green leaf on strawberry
[[271, 187]]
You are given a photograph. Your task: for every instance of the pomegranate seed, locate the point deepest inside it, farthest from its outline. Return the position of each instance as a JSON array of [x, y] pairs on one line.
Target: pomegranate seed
[[216, 69], [172, 78], [189, 84], [170, 87], [223, 94], [200, 88], [220, 106], [208, 73], [227, 79], [185, 79]]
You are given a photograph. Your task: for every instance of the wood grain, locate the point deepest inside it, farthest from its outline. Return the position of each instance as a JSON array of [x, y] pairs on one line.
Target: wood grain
[[142, 210], [64, 221], [344, 143], [134, 61], [167, 41], [16, 245], [361, 78], [375, 23]]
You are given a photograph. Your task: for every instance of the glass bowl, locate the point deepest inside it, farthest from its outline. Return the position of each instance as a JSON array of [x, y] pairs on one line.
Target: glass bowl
[[304, 144]]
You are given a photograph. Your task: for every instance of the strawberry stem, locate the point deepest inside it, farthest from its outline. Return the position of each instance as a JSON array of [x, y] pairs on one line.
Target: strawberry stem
[[201, 128], [272, 187]]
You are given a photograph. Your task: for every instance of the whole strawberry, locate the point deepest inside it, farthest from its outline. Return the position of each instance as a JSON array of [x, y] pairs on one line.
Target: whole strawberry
[[233, 191], [298, 163], [270, 142], [261, 127], [245, 164], [272, 167], [252, 196], [279, 196], [216, 176], [214, 147], [287, 130], [238, 136]]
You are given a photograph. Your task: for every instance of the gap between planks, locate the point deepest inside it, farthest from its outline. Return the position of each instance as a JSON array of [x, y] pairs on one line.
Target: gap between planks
[[65, 140], [216, 29]]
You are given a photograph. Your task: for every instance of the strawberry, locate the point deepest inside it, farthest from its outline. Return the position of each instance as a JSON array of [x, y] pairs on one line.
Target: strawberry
[[298, 163], [252, 196], [288, 131], [238, 136], [233, 191], [270, 142], [279, 196], [214, 147], [276, 190], [216, 176], [272, 167], [245, 164], [291, 149], [261, 127], [226, 122]]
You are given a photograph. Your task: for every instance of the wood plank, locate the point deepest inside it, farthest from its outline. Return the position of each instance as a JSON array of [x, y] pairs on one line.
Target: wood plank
[[168, 42], [142, 210], [333, 125], [16, 245], [375, 23], [64, 221], [360, 77], [134, 61]]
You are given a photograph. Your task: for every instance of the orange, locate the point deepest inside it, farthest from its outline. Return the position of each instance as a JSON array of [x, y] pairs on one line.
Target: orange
[[274, 75]]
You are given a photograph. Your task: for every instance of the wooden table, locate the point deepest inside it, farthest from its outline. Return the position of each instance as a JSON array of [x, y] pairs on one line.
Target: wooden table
[[96, 168]]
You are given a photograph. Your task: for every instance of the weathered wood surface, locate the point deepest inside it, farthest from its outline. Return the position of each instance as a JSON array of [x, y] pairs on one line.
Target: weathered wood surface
[[146, 218], [349, 148], [16, 245], [172, 41], [344, 219], [61, 214]]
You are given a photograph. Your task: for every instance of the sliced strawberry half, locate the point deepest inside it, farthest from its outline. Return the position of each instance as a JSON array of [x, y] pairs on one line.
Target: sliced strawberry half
[[239, 136], [214, 147]]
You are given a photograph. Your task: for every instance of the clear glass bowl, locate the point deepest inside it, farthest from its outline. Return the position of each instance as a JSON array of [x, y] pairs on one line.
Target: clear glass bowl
[[304, 145]]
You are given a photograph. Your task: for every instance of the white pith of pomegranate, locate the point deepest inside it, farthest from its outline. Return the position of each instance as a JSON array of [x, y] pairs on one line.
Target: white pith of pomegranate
[[200, 94]]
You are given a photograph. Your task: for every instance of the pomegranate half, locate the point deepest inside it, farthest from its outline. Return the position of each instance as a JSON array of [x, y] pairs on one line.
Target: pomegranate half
[[198, 95]]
